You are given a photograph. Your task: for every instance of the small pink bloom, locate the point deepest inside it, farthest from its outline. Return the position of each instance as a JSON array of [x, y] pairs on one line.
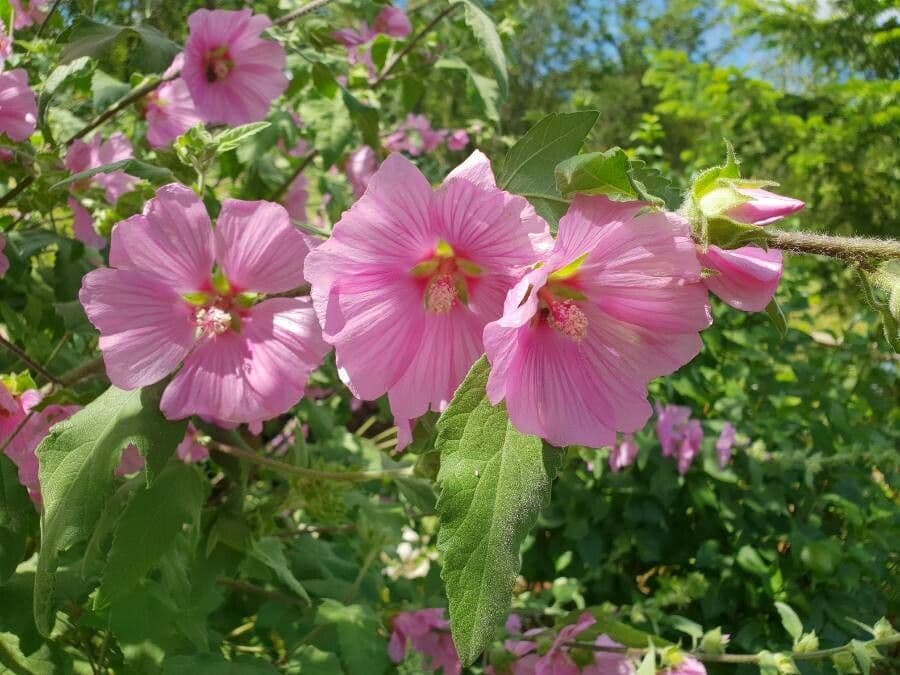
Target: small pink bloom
[[360, 167], [458, 140], [190, 450], [350, 37], [609, 663], [616, 304], [688, 666], [415, 136], [393, 21], [30, 13], [513, 624], [132, 461], [296, 198], [557, 660], [170, 109], [623, 454], [763, 207], [232, 73], [4, 261], [82, 156], [83, 225], [18, 106], [413, 275], [724, 444], [159, 306], [678, 434], [427, 632]]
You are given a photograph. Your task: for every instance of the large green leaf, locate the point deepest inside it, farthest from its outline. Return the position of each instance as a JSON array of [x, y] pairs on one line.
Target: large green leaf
[[121, 49], [530, 163], [78, 460], [493, 483], [148, 527], [485, 31]]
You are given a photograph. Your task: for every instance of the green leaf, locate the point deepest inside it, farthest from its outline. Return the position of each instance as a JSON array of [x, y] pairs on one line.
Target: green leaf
[[147, 529], [596, 173], [12, 658], [270, 552], [122, 49], [77, 464], [726, 233], [485, 31], [17, 518], [214, 664], [235, 136], [773, 310], [708, 180], [361, 649], [493, 483], [309, 660], [54, 81], [750, 560], [133, 167], [106, 89], [365, 117], [530, 163], [790, 620], [323, 80]]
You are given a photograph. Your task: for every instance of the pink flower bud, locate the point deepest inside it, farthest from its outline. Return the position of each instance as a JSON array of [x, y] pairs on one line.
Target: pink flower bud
[[764, 207], [393, 21]]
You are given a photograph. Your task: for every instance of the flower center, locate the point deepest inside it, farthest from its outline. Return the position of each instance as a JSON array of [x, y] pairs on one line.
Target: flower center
[[564, 315], [446, 279], [212, 321], [218, 64]]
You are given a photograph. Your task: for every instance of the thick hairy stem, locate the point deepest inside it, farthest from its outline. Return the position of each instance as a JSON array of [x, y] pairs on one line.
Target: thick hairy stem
[[398, 57], [28, 361], [816, 655], [301, 11], [859, 250], [311, 474]]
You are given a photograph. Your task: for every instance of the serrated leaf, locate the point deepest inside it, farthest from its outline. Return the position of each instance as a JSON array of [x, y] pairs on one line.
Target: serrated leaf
[[531, 162], [133, 167], [148, 527], [596, 173], [235, 136], [77, 464], [790, 620], [493, 483], [485, 31]]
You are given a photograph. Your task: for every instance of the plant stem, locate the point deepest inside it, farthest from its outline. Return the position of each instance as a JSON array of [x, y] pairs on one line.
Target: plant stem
[[279, 192], [21, 186], [31, 363], [398, 57], [851, 249], [82, 372], [246, 587], [48, 17], [133, 97], [311, 474], [301, 11]]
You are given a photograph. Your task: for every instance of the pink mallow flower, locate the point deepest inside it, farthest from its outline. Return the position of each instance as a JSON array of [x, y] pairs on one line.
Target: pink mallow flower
[[232, 73], [746, 278], [616, 303], [29, 12], [556, 661], [82, 156], [392, 21], [4, 261], [18, 106], [83, 225], [181, 292], [296, 198], [678, 434], [35, 425], [415, 136], [428, 633], [360, 167], [170, 109], [413, 275], [724, 444], [623, 454], [458, 140]]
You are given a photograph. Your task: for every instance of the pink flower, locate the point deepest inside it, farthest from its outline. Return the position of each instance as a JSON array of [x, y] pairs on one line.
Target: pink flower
[[745, 278], [724, 444], [623, 454], [170, 109], [131, 462], [413, 275], [295, 199], [458, 140], [4, 261], [616, 304], [678, 434], [428, 633], [393, 21], [609, 663], [415, 136], [232, 73], [34, 13], [359, 167], [83, 225], [688, 666], [190, 450], [82, 156], [35, 425], [557, 660], [6, 44], [18, 106], [243, 362]]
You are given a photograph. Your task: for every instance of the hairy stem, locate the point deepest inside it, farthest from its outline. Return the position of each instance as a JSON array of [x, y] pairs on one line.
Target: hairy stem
[[301, 11], [398, 57], [311, 474], [28, 361], [859, 250]]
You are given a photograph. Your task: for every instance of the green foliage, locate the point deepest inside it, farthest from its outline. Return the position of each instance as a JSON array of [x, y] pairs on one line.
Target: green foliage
[[493, 482], [121, 49]]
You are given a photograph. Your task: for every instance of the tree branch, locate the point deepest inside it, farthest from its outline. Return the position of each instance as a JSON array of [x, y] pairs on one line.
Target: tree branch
[[398, 57], [851, 249]]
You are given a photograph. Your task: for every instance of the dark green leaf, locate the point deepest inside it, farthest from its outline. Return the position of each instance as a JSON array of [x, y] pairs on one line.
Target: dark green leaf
[[122, 49], [18, 518], [596, 173], [362, 650], [493, 482]]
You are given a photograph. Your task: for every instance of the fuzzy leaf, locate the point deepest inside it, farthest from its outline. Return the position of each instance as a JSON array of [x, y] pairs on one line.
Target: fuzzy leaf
[[493, 483]]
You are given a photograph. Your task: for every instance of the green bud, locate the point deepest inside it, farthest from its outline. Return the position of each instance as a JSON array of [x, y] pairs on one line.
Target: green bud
[[713, 642], [671, 656], [785, 664], [844, 663], [883, 629], [809, 642]]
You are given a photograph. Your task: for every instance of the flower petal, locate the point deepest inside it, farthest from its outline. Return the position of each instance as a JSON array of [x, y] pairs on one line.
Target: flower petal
[[747, 277]]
